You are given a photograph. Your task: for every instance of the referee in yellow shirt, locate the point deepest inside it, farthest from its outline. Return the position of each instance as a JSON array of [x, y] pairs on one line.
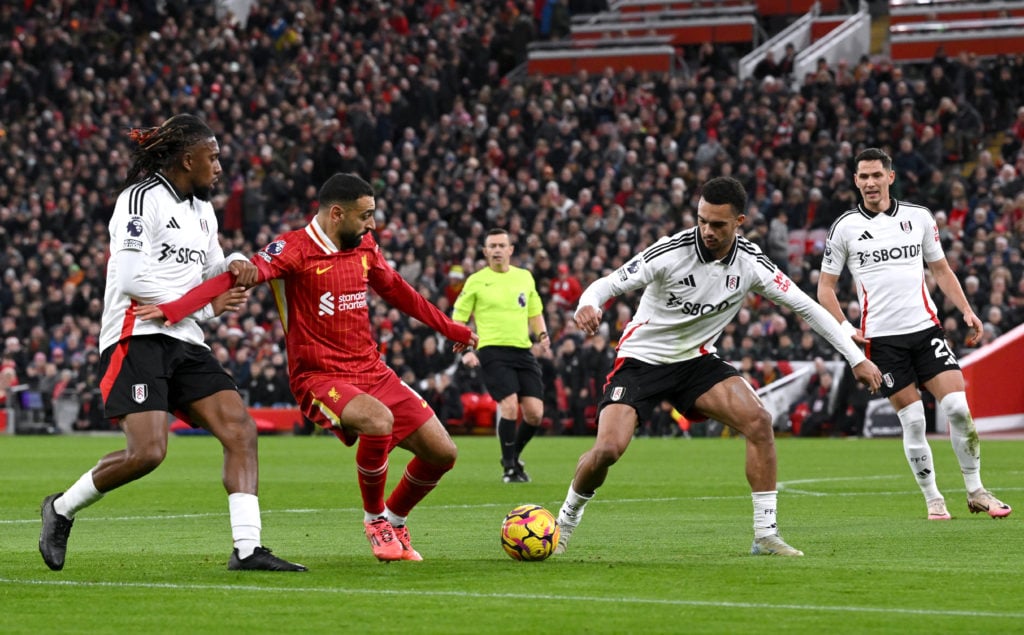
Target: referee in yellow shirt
[[509, 316]]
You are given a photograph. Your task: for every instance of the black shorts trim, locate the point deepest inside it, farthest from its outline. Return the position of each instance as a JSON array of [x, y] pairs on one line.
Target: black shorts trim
[[913, 358], [158, 372], [508, 370], [642, 385]]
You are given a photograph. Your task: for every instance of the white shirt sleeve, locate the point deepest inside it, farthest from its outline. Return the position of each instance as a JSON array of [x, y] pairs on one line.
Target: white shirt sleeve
[[136, 280], [834, 258], [931, 247], [635, 274], [780, 289]]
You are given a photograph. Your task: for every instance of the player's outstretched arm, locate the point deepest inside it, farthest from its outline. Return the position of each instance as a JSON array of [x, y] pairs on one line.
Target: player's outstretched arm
[[201, 295], [829, 298], [400, 294], [231, 300]]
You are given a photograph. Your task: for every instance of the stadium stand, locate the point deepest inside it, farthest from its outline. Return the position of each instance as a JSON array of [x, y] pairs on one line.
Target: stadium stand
[[432, 103]]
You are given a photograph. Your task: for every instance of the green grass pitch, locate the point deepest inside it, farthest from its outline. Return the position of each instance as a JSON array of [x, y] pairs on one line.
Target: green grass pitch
[[663, 547]]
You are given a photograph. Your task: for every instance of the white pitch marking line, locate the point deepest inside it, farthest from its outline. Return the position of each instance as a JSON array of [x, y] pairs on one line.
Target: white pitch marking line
[[782, 486], [524, 596]]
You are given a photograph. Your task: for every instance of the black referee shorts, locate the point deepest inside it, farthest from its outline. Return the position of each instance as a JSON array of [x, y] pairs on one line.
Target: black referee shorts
[[508, 370]]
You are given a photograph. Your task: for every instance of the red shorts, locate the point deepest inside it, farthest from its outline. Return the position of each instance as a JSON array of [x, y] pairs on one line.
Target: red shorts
[[323, 398]]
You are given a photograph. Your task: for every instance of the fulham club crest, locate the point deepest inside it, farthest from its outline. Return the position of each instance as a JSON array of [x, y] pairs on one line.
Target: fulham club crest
[[140, 393], [905, 226], [617, 393], [732, 282]]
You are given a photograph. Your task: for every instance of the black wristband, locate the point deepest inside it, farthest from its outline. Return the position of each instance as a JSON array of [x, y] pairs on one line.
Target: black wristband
[[539, 337]]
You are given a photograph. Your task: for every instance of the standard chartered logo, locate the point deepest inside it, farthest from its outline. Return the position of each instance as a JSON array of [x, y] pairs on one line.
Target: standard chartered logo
[[327, 304]]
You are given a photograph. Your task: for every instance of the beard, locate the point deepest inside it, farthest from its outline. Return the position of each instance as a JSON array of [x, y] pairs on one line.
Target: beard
[[203, 192], [350, 241]]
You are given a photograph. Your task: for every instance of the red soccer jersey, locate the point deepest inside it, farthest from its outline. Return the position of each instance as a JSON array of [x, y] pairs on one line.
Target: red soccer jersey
[[321, 294], [321, 298]]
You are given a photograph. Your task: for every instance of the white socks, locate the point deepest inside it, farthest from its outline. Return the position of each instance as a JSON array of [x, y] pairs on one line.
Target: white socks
[[79, 496], [572, 509], [387, 514], [393, 518], [245, 522], [917, 450], [964, 437], [765, 513], [244, 510]]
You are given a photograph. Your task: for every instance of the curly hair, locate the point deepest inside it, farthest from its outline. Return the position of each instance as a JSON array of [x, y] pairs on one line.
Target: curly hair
[[160, 146]]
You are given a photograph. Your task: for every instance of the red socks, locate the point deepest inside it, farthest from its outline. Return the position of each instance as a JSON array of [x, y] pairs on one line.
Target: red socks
[[372, 468], [419, 479]]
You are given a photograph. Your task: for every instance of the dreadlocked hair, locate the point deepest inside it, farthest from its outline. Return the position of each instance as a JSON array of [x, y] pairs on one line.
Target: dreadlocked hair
[[158, 147]]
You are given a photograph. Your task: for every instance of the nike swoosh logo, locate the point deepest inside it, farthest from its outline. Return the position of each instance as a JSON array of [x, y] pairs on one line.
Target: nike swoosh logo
[[322, 270]]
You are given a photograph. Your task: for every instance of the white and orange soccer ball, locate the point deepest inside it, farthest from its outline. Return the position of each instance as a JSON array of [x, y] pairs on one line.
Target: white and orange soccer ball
[[529, 532]]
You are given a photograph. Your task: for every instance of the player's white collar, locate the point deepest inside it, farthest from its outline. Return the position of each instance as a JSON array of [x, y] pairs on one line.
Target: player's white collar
[[320, 237]]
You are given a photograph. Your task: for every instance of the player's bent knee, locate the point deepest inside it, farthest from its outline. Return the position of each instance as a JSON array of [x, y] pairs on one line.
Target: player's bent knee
[[446, 456], [437, 452], [758, 428], [236, 432], [144, 460], [606, 454], [372, 426], [955, 405]]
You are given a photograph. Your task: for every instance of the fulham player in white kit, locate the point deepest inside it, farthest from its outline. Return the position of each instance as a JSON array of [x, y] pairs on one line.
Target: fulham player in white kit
[[163, 241], [694, 283], [883, 242]]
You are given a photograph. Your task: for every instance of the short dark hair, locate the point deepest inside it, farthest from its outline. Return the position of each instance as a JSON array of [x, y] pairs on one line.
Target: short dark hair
[[725, 190], [874, 154], [344, 189], [494, 231]]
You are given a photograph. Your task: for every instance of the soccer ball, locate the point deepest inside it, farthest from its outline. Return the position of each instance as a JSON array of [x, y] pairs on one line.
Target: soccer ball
[[529, 532]]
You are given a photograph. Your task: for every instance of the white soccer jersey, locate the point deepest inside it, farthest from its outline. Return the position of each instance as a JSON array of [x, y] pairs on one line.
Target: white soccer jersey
[[177, 237], [689, 298], [884, 252]]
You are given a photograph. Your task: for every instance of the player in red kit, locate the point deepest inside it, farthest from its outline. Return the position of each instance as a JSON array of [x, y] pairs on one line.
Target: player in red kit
[[320, 275]]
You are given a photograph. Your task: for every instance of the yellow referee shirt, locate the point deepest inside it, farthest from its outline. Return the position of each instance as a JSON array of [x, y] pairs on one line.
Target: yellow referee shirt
[[501, 305]]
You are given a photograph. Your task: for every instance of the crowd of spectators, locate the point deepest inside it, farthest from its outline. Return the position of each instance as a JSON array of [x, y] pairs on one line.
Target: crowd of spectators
[[416, 96]]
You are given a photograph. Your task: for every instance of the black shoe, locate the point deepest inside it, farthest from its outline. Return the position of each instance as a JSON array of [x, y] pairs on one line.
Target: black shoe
[[521, 472], [53, 538], [262, 560], [515, 473]]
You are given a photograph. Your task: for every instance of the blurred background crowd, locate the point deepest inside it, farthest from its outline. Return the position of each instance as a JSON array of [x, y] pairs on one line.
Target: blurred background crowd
[[423, 99]]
